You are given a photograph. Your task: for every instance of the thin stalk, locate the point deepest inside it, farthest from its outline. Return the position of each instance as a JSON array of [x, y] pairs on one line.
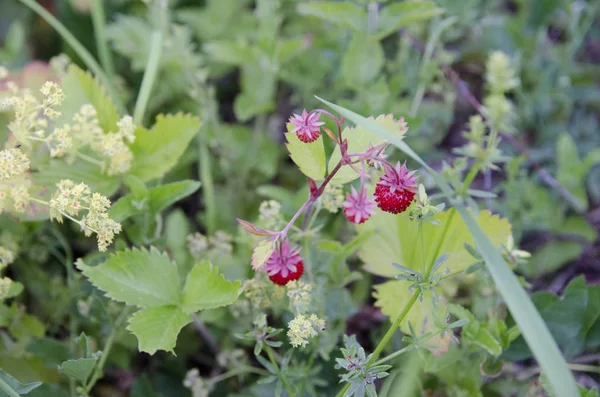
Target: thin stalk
[[237, 371], [156, 43], [272, 359], [470, 178], [7, 389], [79, 49], [208, 189], [99, 20], [106, 350]]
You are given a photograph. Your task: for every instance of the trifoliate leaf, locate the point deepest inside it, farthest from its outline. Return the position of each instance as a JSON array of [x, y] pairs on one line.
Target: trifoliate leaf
[[359, 140], [15, 385], [261, 253], [79, 369], [397, 239], [82, 88], [309, 157], [156, 328], [206, 288], [137, 277], [156, 151], [393, 295]]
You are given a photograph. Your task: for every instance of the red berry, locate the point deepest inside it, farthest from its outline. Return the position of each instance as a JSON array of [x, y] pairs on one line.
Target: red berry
[[394, 202], [278, 279]]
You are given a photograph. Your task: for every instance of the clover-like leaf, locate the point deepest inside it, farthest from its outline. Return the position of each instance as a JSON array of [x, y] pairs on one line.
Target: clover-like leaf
[[206, 288], [309, 157], [137, 277], [156, 328], [156, 151]]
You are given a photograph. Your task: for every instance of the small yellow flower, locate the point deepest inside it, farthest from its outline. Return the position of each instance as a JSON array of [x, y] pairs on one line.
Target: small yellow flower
[[5, 284], [20, 197], [6, 257], [60, 141], [333, 198], [303, 327], [127, 129], [13, 162]]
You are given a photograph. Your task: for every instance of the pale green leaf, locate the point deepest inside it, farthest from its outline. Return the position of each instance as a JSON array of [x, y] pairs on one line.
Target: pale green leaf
[[341, 13], [395, 238], [206, 288], [309, 157], [129, 38], [392, 296], [137, 277], [15, 385], [229, 52], [571, 169], [79, 369], [359, 140], [398, 15], [158, 150], [261, 253], [156, 328], [532, 326], [82, 88]]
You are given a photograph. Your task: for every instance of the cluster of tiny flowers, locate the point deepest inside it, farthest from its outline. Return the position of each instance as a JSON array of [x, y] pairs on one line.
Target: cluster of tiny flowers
[[13, 184], [53, 99], [332, 198], [269, 214], [113, 147], [299, 294], [6, 258], [200, 246], [501, 79], [197, 385], [304, 327], [262, 295], [70, 198], [233, 358]]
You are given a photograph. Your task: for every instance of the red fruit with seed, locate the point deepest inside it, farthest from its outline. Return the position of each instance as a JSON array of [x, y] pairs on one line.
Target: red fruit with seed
[[285, 264], [396, 189], [306, 126]]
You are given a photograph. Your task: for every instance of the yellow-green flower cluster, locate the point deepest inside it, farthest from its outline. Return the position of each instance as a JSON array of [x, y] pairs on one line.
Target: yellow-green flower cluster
[[13, 184], [269, 215], [6, 258], [299, 294], [262, 294], [199, 386], [201, 247], [304, 327], [501, 79], [332, 198], [70, 198]]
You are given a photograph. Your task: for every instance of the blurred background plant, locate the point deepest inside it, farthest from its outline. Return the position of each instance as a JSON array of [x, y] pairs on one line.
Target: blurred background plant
[[530, 69]]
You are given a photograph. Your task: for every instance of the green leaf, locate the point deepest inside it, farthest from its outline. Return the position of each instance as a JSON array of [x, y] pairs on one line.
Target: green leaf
[[206, 288], [528, 319], [79, 369], [341, 13], [156, 328], [80, 171], [229, 52], [81, 88], [309, 157], [362, 61], [483, 338], [399, 15], [158, 150], [571, 169], [137, 277], [159, 198], [15, 386], [359, 140], [395, 238], [129, 37]]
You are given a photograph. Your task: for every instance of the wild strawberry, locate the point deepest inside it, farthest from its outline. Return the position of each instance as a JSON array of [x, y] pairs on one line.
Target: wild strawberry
[[358, 207], [306, 126], [284, 265], [396, 189]]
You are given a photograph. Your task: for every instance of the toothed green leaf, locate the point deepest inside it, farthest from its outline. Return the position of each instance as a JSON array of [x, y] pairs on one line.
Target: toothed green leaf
[[206, 288], [156, 328]]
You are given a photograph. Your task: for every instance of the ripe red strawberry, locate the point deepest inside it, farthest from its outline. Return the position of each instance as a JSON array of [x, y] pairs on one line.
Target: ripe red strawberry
[[396, 189], [278, 279], [395, 202], [285, 264]]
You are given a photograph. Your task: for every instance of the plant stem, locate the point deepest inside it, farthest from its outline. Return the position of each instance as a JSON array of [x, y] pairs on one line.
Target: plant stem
[[156, 43], [386, 338], [106, 350], [208, 190], [6, 388], [272, 359], [237, 371], [99, 20], [79, 49], [473, 171]]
